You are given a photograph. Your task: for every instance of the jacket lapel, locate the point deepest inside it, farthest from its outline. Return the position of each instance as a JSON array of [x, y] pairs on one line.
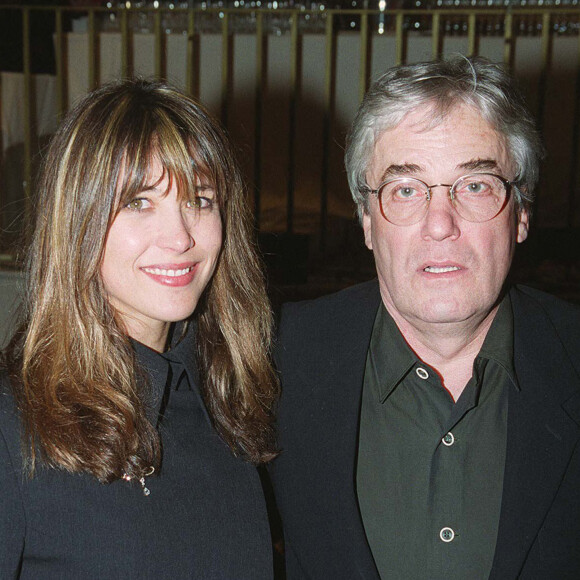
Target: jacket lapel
[[319, 479], [543, 429], [348, 380], [344, 387]]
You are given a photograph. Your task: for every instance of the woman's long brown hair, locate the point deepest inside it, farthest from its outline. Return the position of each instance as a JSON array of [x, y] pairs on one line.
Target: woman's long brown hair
[[73, 369]]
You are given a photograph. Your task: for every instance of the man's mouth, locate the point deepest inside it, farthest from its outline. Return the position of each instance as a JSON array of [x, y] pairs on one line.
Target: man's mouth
[[441, 269]]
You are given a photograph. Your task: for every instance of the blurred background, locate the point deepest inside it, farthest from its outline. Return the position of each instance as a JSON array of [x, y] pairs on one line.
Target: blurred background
[[285, 78]]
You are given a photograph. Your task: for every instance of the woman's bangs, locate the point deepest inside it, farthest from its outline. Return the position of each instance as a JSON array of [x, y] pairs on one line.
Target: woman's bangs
[[186, 165], [135, 175], [187, 161]]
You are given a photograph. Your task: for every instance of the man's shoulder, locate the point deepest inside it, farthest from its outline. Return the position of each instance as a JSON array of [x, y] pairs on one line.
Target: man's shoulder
[[564, 316], [336, 321], [360, 297], [545, 325]]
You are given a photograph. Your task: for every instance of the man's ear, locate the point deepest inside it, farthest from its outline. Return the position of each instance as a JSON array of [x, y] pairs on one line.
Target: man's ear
[[523, 225], [368, 229]]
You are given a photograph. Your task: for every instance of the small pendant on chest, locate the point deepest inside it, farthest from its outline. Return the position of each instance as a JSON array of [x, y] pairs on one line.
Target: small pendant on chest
[[146, 490]]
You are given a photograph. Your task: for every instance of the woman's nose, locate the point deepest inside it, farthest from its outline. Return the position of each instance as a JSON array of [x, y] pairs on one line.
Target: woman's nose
[[176, 232]]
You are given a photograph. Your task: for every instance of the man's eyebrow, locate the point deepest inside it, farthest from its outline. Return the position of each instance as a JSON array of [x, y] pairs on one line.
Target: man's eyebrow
[[479, 165], [398, 170]]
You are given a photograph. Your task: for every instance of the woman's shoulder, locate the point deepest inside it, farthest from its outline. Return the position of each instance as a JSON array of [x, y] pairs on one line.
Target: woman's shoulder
[[12, 502], [9, 416], [11, 460], [6, 391]]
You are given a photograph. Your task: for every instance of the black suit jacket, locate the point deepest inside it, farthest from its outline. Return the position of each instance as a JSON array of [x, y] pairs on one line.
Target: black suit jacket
[[321, 355]]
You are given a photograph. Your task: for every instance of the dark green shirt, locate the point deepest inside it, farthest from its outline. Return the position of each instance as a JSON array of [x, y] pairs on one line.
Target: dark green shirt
[[430, 470]]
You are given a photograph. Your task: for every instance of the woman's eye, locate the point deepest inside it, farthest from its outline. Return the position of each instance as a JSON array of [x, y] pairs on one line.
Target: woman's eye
[[138, 204], [200, 202]]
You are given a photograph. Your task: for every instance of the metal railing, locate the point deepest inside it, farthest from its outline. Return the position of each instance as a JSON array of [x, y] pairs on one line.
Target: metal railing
[[379, 37]]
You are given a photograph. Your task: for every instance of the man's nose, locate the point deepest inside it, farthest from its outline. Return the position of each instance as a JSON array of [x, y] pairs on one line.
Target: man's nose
[[441, 220]]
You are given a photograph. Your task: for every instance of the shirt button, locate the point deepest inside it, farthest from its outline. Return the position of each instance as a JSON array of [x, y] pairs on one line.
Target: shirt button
[[447, 535], [448, 439], [422, 373]]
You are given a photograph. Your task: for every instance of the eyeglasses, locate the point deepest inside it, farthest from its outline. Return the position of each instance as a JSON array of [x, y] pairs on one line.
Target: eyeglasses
[[477, 197]]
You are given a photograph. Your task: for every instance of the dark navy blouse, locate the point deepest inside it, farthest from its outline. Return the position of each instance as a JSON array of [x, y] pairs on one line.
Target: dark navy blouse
[[205, 516]]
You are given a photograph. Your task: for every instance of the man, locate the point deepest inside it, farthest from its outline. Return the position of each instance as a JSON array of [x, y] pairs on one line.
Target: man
[[430, 421]]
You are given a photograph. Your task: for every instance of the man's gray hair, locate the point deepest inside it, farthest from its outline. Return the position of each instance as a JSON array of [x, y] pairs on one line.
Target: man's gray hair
[[443, 85]]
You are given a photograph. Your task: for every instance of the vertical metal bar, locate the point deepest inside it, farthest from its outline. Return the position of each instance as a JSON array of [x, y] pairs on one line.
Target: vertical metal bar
[[292, 122], [93, 56], [573, 186], [472, 34], [363, 71], [125, 44], [60, 66], [225, 69], [189, 79], [508, 40], [3, 245], [436, 35], [327, 120], [159, 52], [543, 82], [28, 114], [400, 38], [546, 58], [258, 93]]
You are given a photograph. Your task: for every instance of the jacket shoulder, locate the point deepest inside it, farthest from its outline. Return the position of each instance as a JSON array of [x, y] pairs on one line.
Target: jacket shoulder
[[334, 329], [564, 316], [547, 324], [329, 310]]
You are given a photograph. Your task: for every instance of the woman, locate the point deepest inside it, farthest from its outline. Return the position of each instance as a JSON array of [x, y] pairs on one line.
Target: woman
[[137, 397]]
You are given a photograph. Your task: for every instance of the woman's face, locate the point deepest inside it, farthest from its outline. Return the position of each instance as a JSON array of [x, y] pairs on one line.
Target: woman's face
[[160, 255]]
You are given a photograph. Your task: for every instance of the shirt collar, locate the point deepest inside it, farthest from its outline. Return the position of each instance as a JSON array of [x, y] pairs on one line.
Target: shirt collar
[[182, 350], [156, 365], [390, 358], [499, 341]]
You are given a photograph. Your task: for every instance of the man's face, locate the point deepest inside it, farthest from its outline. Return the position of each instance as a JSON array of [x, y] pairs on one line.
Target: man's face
[[442, 269]]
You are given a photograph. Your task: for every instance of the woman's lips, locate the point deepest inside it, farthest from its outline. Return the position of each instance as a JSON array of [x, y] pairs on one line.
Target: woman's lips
[[174, 275]]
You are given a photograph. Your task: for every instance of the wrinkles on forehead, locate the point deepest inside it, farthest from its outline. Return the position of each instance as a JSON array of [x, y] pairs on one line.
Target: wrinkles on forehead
[[493, 155]]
